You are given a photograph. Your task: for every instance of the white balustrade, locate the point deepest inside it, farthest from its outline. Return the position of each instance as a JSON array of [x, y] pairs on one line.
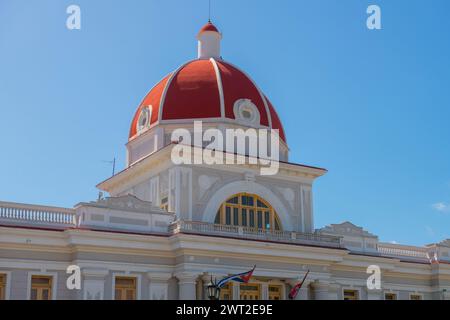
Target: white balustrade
[[36, 214], [402, 251], [66, 218], [193, 227]]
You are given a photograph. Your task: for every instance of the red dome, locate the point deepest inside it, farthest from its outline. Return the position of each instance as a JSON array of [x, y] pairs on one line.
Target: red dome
[[205, 89], [209, 27]]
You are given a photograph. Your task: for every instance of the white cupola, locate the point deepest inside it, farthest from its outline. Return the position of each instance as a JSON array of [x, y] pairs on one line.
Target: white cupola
[[209, 42]]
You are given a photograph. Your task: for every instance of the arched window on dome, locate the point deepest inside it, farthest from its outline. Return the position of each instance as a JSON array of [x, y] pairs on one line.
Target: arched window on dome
[[144, 119], [246, 111], [248, 210]]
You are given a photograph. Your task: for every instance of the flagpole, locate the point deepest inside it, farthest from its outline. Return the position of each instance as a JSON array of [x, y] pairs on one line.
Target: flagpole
[[294, 292]]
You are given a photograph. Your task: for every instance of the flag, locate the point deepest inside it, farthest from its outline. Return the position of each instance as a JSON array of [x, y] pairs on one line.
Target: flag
[[297, 287], [240, 277]]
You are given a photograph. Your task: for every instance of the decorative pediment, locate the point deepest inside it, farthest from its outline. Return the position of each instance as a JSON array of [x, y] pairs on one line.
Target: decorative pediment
[[126, 203], [347, 228]]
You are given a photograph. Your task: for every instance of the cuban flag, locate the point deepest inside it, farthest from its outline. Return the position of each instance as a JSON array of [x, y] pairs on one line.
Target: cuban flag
[[294, 292], [240, 277]]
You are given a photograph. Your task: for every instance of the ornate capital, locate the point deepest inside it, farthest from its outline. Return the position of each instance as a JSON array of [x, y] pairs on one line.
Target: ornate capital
[[320, 285], [187, 277], [159, 276], [95, 273], [206, 277]]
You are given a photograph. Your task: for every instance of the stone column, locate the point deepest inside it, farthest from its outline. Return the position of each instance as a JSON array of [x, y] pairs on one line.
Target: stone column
[[236, 290], [321, 290], [159, 286], [440, 294], [304, 293], [264, 291], [333, 291], [187, 284], [373, 294], [180, 192], [94, 284], [445, 295]]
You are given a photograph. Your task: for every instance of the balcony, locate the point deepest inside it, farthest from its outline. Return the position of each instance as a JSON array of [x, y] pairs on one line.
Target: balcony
[[37, 216], [16, 214], [238, 232], [402, 251]]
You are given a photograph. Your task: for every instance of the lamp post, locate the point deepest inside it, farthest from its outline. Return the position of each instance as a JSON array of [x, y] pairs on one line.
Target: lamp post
[[213, 290]]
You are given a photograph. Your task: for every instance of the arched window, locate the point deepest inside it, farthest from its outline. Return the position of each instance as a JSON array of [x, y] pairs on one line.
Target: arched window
[[144, 119], [248, 210]]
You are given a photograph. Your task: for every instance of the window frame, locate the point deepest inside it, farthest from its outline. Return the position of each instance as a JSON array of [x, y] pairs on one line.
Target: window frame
[[259, 287], [7, 286], [146, 111], [279, 286], [357, 290], [415, 294], [164, 205], [246, 105], [251, 211], [52, 275], [126, 275], [227, 289], [390, 292]]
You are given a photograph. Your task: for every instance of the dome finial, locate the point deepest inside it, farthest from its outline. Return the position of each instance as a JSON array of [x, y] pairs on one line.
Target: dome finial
[[209, 11]]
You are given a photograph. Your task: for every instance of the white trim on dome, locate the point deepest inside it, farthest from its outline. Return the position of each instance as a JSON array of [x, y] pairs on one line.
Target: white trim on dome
[[220, 86], [266, 106], [166, 88], [141, 104], [279, 120]]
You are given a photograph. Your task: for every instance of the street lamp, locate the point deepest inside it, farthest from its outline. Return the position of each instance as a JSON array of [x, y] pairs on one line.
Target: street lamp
[[213, 290]]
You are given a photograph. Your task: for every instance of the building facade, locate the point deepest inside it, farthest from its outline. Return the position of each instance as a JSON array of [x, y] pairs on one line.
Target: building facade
[[166, 229]]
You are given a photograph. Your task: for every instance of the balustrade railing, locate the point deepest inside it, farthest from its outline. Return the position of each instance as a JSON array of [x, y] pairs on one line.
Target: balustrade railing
[[402, 251], [254, 233], [36, 214], [62, 217]]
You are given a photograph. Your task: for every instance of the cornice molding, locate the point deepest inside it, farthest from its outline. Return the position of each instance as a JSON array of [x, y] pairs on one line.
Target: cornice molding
[[141, 168]]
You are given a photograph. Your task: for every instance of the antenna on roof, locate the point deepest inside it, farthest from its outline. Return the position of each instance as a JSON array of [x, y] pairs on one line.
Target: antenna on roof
[[113, 163], [209, 10]]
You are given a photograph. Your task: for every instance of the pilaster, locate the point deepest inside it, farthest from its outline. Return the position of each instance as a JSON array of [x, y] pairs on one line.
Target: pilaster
[[187, 282], [94, 283], [159, 285]]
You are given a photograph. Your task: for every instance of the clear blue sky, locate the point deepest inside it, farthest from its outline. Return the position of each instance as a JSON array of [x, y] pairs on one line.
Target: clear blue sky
[[373, 107]]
